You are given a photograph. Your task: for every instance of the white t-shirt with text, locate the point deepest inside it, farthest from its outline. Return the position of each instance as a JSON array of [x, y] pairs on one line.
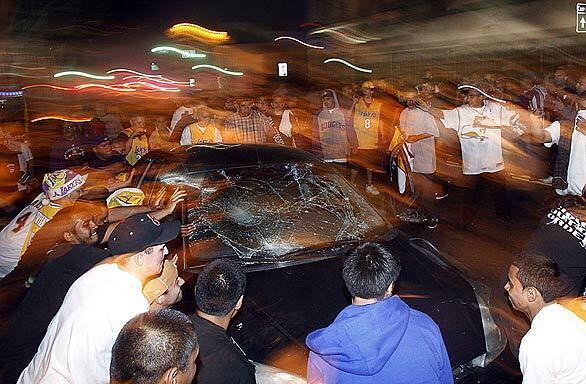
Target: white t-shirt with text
[[479, 132]]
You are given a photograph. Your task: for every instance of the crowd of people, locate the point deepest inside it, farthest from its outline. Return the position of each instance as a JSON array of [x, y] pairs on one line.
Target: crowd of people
[[87, 279]]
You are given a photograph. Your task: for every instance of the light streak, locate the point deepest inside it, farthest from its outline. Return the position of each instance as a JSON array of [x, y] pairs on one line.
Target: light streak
[[299, 41], [342, 36], [21, 75], [197, 32], [83, 74], [130, 71], [225, 71], [348, 64], [63, 118], [27, 68], [48, 86], [145, 84], [467, 86], [162, 80], [112, 88], [183, 53]]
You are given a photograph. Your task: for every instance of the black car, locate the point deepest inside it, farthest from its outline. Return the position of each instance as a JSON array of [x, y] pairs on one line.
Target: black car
[[291, 219]]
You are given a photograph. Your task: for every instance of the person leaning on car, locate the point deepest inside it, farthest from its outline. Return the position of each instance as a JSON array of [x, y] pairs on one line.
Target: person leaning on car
[[219, 292], [378, 338]]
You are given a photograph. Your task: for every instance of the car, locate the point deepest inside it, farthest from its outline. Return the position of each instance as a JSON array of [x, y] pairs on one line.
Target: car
[[291, 219]]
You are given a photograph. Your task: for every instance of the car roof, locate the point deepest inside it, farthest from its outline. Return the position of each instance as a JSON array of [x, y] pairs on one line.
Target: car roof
[[214, 156]]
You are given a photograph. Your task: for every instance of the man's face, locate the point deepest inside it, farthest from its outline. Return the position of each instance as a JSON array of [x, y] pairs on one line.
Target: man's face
[[278, 104], [515, 290], [173, 294], [86, 231], [367, 91], [138, 122], [153, 259], [104, 149], [475, 99], [263, 104], [245, 107], [329, 102], [560, 77], [581, 84], [204, 116], [187, 376]]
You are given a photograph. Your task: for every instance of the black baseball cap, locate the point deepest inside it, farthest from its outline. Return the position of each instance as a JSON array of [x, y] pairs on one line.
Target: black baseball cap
[[138, 232], [327, 93]]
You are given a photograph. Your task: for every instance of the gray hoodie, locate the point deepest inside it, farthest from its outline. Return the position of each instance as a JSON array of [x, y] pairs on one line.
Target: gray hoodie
[[332, 137]]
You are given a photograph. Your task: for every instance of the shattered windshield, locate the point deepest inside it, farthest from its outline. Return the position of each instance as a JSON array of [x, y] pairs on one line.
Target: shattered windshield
[[266, 212]]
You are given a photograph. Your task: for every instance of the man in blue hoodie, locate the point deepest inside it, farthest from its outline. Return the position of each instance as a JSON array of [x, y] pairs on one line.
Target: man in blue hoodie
[[378, 338]]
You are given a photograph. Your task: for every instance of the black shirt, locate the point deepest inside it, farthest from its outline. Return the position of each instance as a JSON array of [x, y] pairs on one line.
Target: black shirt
[[220, 359], [93, 161], [562, 237], [22, 334]]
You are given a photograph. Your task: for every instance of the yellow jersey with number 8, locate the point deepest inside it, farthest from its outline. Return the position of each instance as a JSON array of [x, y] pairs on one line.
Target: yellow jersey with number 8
[[366, 123]]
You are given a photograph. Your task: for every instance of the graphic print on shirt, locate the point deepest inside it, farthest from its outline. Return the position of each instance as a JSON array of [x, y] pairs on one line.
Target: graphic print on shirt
[[569, 223]]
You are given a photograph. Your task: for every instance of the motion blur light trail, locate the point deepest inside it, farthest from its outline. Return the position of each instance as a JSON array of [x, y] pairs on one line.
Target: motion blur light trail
[[332, 60], [299, 41], [149, 85], [63, 118], [110, 87], [184, 54], [83, 74], [225, 71], [198, 33], [21, 75], [162, 80], [48, 86], [131, 71]]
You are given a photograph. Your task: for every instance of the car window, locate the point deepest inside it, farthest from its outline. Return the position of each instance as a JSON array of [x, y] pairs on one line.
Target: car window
[[266, 212]]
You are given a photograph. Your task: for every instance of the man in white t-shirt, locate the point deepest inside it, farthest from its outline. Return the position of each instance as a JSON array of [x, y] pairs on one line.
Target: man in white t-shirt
[[421, 130], [479, 124], [554, 348], [78, 343], [577, 165]]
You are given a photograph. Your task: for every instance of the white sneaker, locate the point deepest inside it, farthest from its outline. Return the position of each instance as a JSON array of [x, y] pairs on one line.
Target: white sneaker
[[372, 190]]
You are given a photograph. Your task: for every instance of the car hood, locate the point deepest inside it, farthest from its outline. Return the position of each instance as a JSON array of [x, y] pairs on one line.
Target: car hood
[[284, 305]]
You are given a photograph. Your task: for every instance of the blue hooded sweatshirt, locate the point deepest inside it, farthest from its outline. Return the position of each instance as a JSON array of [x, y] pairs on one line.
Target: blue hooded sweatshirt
[[384, 342]]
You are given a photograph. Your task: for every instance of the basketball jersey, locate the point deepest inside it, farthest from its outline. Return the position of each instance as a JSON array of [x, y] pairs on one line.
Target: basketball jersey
[[199, 137], [45, 213], [366, 123], [138, 148]]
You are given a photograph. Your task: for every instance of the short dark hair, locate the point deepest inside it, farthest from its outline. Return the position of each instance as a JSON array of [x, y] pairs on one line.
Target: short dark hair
[[369, 271], [539, 271], [219, 286], [150, 344]]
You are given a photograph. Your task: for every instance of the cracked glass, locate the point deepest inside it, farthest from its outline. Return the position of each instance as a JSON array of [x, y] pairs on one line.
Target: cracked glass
[[264, 213]]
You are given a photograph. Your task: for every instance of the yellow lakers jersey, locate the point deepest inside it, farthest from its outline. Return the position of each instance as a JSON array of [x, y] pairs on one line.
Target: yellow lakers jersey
[[199, 137], [45, 213], [138, 148], [366, 123]]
